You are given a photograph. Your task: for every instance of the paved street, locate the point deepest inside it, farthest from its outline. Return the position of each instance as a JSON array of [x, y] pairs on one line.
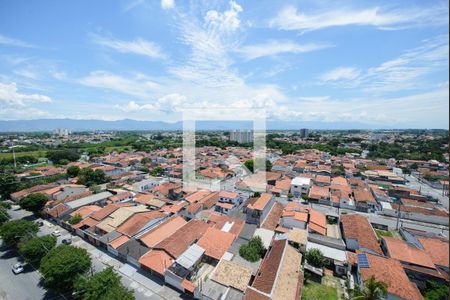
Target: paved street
[[11, 286], [22, 286], [425, 189]]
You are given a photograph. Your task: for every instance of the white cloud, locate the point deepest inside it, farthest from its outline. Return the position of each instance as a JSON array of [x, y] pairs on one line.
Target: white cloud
[[290, 18], [272, 47], [138, 46], [227, 21], [405, 72], [167, 4], [14, 42], [423, 110], [341, 73], [10, 96], [168, 103], [140, 86]]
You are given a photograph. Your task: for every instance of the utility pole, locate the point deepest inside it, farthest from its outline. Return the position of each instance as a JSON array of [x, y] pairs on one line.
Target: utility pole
[[13, 152], [398, 214]]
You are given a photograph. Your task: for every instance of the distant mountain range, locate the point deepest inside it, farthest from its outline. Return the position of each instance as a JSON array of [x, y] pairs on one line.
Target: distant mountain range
[[132, 125]]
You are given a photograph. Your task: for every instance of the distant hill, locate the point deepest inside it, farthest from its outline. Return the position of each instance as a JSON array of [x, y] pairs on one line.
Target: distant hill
[[127, 124]]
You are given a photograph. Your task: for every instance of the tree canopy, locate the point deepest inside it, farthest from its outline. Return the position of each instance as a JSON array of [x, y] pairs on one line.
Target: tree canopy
[[104, 285], [62, 266], [315, 258], [90, 177], [75, 219], [33, 202], [253, 250], [13, 232], [35, 249], [73, 171], [58, 156], [372, 290], [250, 165]]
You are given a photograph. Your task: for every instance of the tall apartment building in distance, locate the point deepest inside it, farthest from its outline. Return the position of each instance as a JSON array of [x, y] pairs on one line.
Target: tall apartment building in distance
[[241, 136], [304, 132], [61, 131]]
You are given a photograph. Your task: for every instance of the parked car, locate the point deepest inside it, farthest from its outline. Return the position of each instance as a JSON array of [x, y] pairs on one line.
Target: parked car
[[67, 241], [56, 233], [18, 268]]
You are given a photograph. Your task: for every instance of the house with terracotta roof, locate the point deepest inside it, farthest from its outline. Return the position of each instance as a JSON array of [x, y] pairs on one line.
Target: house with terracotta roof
[[225, 223], [35, 189], [279, 276], [216, 242], [230, 197], [417, 263], [319, 194], [117, 218], [389, 271], [358, 234], [121, 197], [365, 201], [258, 211], [64, 191]]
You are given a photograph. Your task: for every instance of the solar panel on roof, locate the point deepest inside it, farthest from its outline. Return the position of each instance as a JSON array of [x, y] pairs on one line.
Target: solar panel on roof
[[363, 262]]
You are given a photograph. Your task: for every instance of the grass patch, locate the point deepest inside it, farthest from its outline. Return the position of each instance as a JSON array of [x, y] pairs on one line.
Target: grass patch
[[381, 233], [36, 154], [313, 291]]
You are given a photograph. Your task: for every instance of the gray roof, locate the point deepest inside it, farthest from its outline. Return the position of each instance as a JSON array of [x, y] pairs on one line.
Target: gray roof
[[133, 248], [109, 237], [191, 256], [88, 200]]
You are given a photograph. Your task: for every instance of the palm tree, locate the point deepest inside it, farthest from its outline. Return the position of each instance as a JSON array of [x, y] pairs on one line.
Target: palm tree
[[372, 290]]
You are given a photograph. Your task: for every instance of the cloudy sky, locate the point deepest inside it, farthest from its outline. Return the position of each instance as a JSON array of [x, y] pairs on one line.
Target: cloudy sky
[[373, 62]]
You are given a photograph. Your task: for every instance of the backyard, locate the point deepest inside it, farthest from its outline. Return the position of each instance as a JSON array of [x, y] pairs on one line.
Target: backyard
[[313, 291]]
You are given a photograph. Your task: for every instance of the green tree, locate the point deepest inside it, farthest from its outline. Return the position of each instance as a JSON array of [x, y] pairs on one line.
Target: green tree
[[104, 285], [4, 216], [90, 177], [13, 232], [250, 165], [157, 171], [315, 258], [253, 250], [75, 219], [62, 266], [372, 290], [33, 202], [436, 291], [8, 185], [73, 171], [35, 249], [58, 156]]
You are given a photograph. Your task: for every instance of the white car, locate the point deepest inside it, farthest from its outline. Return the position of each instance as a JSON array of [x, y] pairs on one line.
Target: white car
[[56, 233], [18, 268]]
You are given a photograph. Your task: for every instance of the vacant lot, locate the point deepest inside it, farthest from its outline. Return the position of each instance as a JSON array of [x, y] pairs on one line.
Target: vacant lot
[[36, 154], [313, 291]]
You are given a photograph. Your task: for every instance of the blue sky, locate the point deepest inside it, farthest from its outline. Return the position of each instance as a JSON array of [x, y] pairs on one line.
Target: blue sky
[[373, 62]]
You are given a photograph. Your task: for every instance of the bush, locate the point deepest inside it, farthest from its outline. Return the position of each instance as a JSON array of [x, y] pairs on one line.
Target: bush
[[61, 156], [75, 219]]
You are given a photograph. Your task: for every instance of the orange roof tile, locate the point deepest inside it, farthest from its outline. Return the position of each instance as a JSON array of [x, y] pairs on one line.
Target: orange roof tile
[[156, 260], [357, 227], [261, 202], [216, 242], [116, 243], [137, 221], [437, 249], [181, 239], [162, 231], [391, 272], [400, 250]]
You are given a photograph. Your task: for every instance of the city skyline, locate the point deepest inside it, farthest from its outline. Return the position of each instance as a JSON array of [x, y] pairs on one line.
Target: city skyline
[[371, 63]]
